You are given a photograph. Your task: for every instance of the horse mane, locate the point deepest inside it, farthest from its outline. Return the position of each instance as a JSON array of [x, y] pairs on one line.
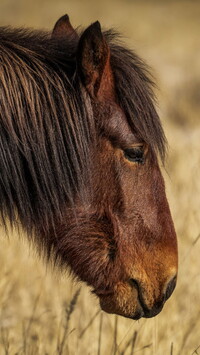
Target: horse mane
[[135, 91], [46, 122]]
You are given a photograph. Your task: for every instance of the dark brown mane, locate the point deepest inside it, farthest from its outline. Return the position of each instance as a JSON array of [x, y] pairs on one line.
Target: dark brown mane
[[135, 85], [45, 104]]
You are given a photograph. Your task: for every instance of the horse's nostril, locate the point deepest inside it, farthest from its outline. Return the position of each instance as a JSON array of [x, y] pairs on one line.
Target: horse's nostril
[[170, 287]]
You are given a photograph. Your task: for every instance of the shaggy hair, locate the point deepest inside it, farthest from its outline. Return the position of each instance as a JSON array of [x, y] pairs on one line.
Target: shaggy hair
[[47, 128]]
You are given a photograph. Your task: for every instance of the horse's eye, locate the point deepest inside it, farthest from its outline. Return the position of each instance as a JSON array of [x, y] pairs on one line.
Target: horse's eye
[[135, 154]]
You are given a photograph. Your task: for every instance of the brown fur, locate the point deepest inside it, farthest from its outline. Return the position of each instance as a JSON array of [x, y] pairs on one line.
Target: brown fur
[[71, 112]]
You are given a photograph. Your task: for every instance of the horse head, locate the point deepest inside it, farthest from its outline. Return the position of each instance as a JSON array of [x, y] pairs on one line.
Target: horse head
[[121, 241]]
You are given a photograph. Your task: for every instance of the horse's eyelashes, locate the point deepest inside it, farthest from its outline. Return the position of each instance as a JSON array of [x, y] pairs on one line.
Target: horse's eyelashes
[[135, 154]]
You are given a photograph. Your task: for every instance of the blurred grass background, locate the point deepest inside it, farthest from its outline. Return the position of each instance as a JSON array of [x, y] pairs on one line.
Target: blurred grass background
[[40, 311]]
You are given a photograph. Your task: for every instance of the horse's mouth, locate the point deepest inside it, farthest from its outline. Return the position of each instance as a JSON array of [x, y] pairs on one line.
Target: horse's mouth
[[132, 307], [109, 305]]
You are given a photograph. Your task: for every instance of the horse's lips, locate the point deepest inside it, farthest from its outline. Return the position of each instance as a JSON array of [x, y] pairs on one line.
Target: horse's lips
[[141, 312], [103, 294]]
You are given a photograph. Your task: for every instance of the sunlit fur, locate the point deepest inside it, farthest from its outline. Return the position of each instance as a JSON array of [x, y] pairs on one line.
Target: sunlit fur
[[63, 174]]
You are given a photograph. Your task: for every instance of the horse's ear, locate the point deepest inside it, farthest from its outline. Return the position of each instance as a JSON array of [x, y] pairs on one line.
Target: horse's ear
[[63, 29], [93, 61]]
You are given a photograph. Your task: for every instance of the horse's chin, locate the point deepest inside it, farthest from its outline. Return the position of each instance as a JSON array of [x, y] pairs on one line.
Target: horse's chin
[[131, 310], [122, 301]]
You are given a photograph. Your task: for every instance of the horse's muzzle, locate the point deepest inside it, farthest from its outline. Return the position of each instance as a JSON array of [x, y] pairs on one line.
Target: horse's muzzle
[[158, 305], [131, 300]]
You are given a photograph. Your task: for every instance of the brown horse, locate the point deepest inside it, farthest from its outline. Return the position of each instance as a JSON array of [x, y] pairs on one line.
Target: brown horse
[[80, 141]]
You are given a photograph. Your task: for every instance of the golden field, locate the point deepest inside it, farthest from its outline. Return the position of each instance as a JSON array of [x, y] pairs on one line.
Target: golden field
[[40, 310]]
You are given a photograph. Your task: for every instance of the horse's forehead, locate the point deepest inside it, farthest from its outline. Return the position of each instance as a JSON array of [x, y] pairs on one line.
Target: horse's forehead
[[116, 126]]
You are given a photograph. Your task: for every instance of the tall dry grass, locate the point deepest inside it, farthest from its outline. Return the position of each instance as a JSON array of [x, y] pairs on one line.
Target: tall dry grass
[[42, 312]]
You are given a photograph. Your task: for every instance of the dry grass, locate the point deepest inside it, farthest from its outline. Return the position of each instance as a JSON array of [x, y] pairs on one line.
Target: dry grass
[[41, 313]]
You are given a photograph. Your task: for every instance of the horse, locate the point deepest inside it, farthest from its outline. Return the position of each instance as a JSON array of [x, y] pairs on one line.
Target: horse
[[81, 145]]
